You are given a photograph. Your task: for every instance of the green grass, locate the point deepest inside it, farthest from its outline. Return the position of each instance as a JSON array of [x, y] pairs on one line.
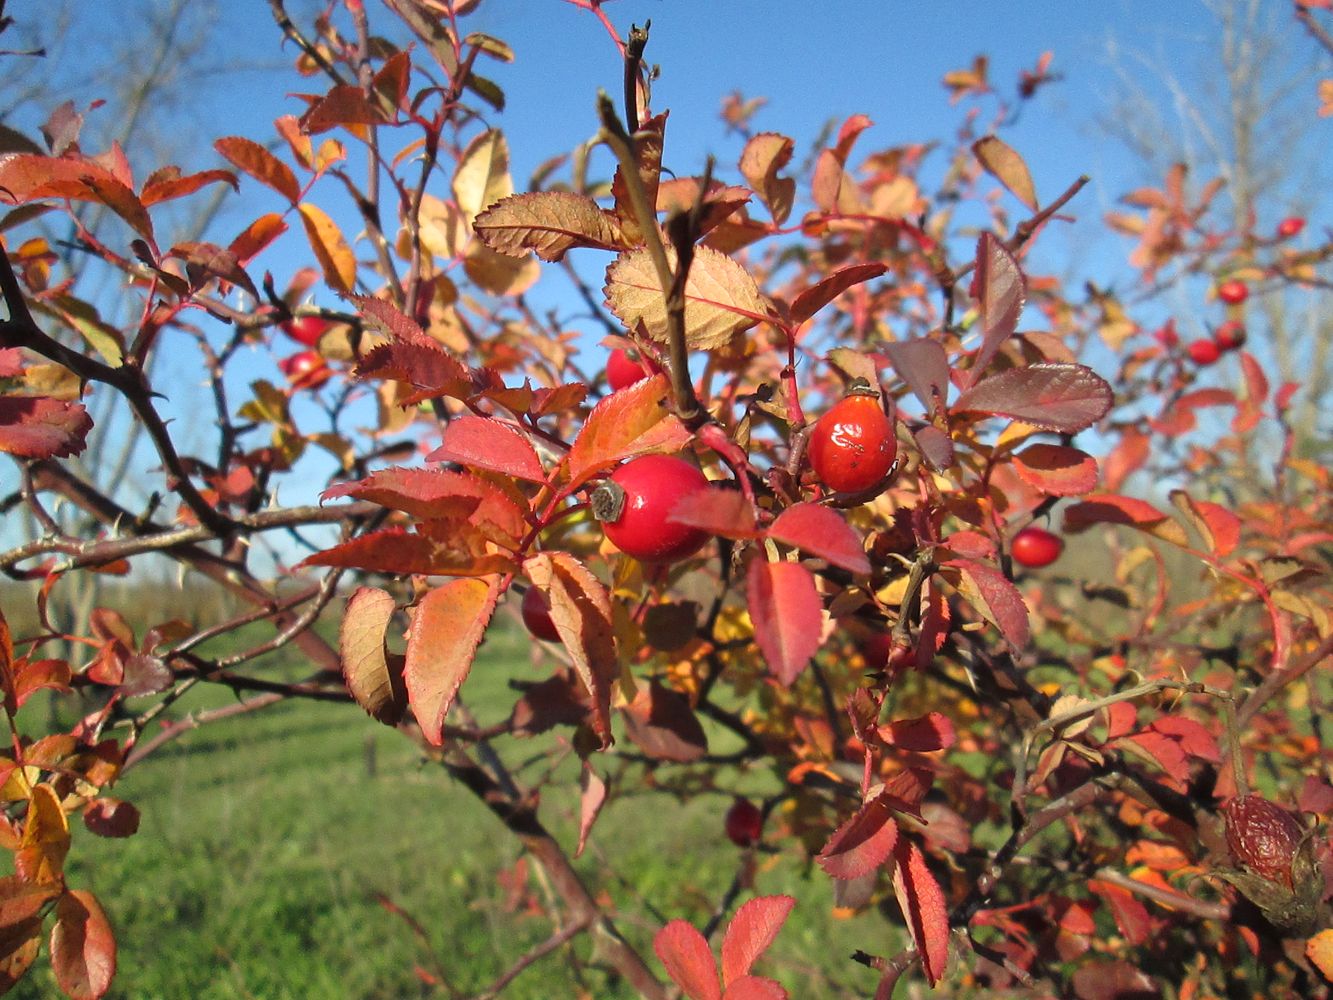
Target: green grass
[[264, 842]]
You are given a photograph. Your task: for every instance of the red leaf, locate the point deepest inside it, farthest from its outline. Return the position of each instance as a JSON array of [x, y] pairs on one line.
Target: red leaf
[[661, 722], [821, 532], [1127, 457], [1131, 916], [8, 682], [42, 427], [633, 421], [426, 368], [458, 551], [863, 842], [718, 511], [1120, 719], [1194, 739], [787, 613], [431, 494], [259, 163], [996, 598], [923, 906], [926, 734], [823, 292], [1000, 291], [755, 988], [1109, 508], [591, 799], [1168, 753], [111, 818], [1219, 527], [1055, 396], [1250, 411], [688, 960], [581, 611], [449, 624], [83, 947], [1056, 469], [345, 104], [750, 932], [483, 443], [167, 183], [924, 366]]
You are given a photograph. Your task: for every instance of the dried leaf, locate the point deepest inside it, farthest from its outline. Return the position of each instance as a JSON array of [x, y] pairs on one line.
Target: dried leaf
[[1006, 166], [375, 684], [449, 624], [721, 299], [549, 222], [764, 155]]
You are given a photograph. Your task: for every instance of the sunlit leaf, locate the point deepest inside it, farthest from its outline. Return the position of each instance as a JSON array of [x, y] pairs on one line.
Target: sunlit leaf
[[923, 905], [441, 644], [1006, 166], [551, 223], [375, 684], [252, 158], [1054, 396], [633, 421], [787, 613], [821, 531], [331, 250], [751, 931]]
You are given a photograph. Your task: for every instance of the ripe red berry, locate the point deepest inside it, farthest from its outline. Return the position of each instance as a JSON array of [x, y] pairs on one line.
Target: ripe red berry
[[744, 823], [306, 329], [1233, 292], [1262, 836], [1230, 335], [625, 367], [1290, 227], [853, 445], [1035, 547], [1203, 352], [634, 502], [537, 616], [306, 370]]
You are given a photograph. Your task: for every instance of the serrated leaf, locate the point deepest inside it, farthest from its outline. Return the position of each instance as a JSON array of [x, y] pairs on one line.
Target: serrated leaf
[[862, 842], [449, 624], [375, 684], [632, 421], [487, 443], [721, 299], [820, 531], [252, 158], [817, 296], [751, 931], [688, 960], [460, 550], [42, 427], [1000, 289], [787, 613], [1054, 396], [995, 598], [581, 611], [923, 905], [1057, 470], [83, 947], [331, 250], [551, 223], [431, 494], [1006, 166]]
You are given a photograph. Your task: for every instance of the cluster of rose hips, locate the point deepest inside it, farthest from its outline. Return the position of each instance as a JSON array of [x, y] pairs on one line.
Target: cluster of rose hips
[[306, 369], [1229, 336]]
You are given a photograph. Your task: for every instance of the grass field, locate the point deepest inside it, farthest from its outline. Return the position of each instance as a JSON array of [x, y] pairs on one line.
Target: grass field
[[264, 843]]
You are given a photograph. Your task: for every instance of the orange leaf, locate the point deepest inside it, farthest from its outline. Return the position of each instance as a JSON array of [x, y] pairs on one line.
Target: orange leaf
[[252, 158], [256, 236], [1056, 469], [331, 250], [375, 685], [441, 644], [1219, 527], [764, 155], [1319, 950], [1006, 166], [633, 421], [750, 932], [688, 960], [41, 854], [83, 947]]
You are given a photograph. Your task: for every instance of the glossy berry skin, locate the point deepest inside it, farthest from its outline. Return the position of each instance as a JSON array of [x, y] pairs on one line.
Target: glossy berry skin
[[1035, 547], [1203, 352], [537, 616], [306, 329], [1262, 836], [1233, 292], [651, 486], [623, 370], [744, 823], [1230, 335], [853, 445], [306, 370], [1290, 227]]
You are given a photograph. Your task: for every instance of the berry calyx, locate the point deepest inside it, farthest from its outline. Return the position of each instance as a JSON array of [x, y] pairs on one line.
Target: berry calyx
[[1262, 836], [1203, 352], [633, 505], [306, 329], [853, 445], [1035, 547], [306, 370], [1233, 291], [1230, 335], [536, 611], [744, 823], [1290, 226], [626, 366]]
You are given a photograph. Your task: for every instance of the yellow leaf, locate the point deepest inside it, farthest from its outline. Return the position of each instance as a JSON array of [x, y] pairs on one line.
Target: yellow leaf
[[331, 250], [1319, 950], [41, 854], [482, 177]]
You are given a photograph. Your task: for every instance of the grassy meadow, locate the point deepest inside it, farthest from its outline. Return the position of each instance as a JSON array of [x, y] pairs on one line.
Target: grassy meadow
[[266, 839]]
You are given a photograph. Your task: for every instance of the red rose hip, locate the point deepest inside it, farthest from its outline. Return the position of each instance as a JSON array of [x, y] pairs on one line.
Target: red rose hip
[[536, 612], [633, 505], [625, 366], [1203, 352], [744, 823], [1035, 547], [1230, 335], [1290, 227], [306, 370], [853, 445], [306, 329], [1233, 292]]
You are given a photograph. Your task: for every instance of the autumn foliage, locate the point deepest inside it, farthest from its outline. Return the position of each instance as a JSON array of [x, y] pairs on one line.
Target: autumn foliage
[[1095, 772]]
